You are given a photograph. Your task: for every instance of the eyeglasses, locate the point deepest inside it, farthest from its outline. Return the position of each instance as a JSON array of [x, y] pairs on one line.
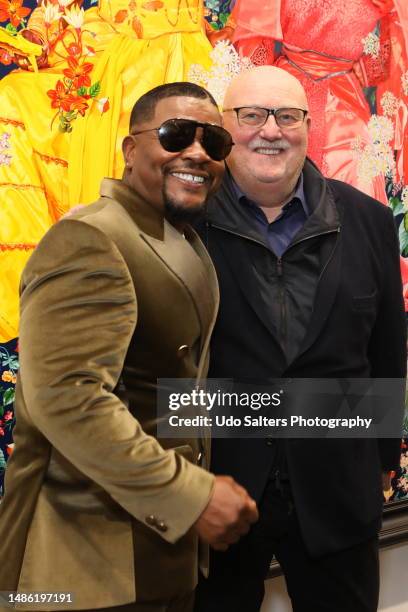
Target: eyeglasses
[[178, 134], [254, 116]]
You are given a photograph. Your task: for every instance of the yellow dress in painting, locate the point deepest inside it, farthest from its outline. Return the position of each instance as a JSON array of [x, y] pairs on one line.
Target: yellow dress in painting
[[61, 127]]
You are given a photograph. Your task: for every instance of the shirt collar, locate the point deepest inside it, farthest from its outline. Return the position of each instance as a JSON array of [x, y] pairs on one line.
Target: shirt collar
[[299, 194]]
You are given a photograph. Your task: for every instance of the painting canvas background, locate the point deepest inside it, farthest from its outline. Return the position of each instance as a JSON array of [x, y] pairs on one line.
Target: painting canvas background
[[350, 55]]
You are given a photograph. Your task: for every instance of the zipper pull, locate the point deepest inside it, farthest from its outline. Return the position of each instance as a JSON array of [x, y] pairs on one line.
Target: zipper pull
[[279, 266]]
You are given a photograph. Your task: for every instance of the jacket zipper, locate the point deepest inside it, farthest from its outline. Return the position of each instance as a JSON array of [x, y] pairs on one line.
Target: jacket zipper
[[282, 327], [279, 270]]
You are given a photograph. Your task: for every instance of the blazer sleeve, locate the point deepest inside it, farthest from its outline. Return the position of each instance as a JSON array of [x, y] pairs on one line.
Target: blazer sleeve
[[387, 349], [78, 314]]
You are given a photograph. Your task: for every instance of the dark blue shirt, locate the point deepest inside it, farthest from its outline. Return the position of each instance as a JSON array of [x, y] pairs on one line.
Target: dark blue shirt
[[280, 233]]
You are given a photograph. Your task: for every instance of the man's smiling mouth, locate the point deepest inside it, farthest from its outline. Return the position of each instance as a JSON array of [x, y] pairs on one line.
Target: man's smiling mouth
[[190, 178]]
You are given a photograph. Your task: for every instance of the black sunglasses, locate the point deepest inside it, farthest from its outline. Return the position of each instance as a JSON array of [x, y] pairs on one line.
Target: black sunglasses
[[178, 134]]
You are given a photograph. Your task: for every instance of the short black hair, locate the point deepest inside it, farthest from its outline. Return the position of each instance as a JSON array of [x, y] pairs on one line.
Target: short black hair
[[145, 106]]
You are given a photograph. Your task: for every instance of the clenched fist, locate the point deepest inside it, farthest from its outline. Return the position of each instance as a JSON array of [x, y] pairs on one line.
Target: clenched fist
[[228, 515]]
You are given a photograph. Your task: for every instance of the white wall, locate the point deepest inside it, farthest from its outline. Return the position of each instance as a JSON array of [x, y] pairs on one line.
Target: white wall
[[394, 579], [393, 592]]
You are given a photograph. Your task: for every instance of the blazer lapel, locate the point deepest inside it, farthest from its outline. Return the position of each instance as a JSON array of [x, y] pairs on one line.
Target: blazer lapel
[[175, 251], [212, 288], [178, 254], [208, 314]]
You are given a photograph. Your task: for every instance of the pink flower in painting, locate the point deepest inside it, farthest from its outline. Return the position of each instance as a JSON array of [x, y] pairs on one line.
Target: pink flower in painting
[[5, 160], [5, 140], [5, 157]]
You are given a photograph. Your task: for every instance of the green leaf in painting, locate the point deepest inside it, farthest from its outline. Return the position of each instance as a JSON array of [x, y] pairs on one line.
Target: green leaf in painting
[[403, 240], [10, 362], [8, 397], [2, 460], [14, 363], [11, 29], [223, 18], [95, 89], [396, 205]]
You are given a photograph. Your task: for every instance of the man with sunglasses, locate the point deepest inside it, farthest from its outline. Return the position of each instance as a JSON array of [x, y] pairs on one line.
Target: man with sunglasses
[[116, 296], [309, 288]]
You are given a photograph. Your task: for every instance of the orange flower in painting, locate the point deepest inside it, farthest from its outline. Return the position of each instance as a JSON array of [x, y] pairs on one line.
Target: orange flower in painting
[[74, 49], [5, 57], [79, 105], [7, 376], [60, 98], [78, 73], [13, 11]]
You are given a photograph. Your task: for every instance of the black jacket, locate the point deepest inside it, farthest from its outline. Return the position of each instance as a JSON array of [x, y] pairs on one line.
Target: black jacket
[[355, 328]]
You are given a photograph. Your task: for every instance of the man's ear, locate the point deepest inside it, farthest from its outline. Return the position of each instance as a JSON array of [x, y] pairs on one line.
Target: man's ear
[[128, 147]]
